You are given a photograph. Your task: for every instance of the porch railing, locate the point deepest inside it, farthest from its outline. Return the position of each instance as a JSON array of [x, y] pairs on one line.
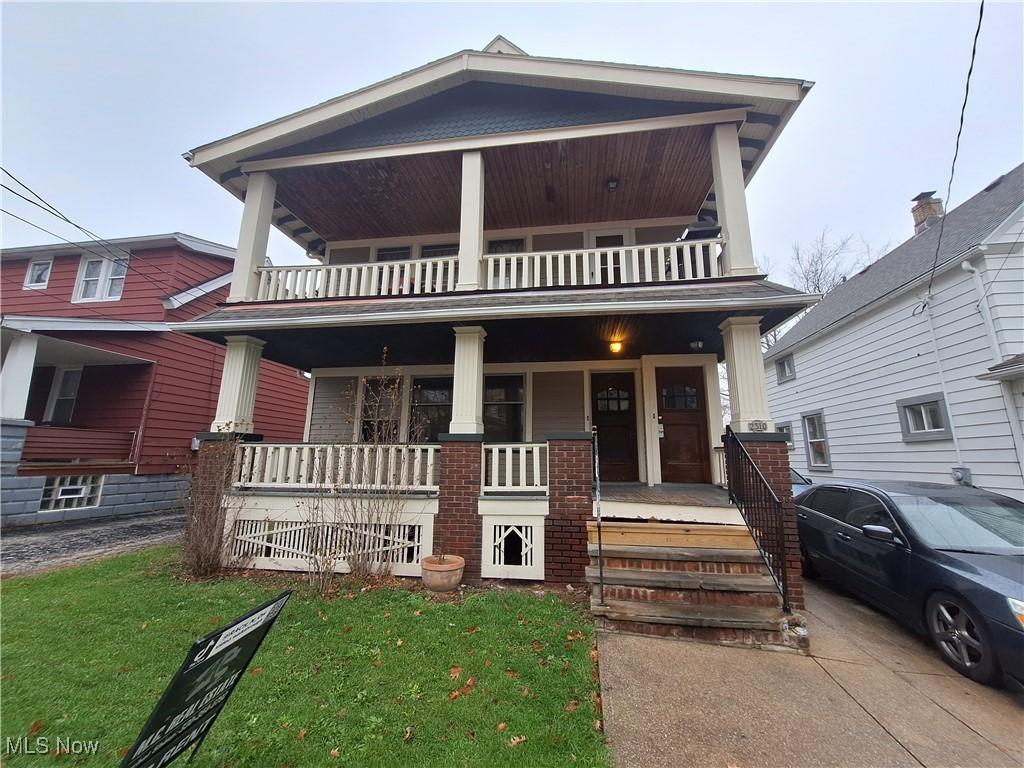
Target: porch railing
[[342, 466], [761, 510], [384, 278], [619, 265], [515, 468]]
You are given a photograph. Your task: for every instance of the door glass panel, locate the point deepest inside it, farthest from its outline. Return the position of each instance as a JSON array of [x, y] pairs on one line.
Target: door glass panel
[[679, 397], [613, 400], [865, 509]]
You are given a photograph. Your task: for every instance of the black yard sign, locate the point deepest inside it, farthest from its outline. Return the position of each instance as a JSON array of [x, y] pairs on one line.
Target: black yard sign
[[201, 688]]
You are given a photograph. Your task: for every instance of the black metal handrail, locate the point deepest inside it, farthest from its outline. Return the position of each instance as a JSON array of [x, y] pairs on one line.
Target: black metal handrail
[[761, 509]]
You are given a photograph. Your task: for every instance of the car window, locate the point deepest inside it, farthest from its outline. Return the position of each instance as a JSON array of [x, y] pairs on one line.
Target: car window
[[865, 509], [829, 501]]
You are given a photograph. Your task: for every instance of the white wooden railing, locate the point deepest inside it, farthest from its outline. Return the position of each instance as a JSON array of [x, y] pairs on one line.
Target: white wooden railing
[[384, 278], [515, 468], [337, 466], [620, 265]]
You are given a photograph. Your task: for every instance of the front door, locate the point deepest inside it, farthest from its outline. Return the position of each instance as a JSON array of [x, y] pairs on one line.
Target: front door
[[683, 425], [613, 411]]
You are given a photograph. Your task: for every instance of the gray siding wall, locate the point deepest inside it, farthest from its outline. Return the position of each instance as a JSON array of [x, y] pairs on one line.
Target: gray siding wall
[[332, 417], [557, 403]]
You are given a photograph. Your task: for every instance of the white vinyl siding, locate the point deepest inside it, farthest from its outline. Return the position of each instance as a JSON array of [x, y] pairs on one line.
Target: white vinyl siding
[[858, 372]]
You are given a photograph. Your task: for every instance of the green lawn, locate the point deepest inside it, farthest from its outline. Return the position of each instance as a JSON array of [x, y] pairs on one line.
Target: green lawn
[[368, 678]]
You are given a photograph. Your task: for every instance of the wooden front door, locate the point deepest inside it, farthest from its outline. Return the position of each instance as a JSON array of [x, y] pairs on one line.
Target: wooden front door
[[682, 415], [613, 411]]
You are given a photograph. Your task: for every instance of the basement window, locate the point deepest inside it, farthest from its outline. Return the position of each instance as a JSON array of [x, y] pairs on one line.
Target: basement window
[[71, 492], [924, 418]]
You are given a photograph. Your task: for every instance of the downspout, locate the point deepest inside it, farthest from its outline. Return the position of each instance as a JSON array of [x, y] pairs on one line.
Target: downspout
[[942, 375], [1009, 407]]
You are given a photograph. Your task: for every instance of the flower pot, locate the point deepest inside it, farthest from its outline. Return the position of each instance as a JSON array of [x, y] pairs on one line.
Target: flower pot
[[442, 575]]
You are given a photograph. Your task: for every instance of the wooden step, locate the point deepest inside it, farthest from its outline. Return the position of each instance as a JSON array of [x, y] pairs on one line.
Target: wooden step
[[685, 535], [719, 582], [626, 551], [725, 617]]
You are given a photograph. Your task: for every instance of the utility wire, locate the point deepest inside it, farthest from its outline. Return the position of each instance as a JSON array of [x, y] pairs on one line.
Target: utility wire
[[956, 148], [1006, 258]]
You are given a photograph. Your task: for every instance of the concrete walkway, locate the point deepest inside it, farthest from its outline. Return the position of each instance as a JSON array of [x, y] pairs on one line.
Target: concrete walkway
[[55, 545], [872, 694]]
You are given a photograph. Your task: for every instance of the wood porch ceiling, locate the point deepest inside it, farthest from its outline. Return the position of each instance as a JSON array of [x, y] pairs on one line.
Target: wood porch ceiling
[[660, 173]]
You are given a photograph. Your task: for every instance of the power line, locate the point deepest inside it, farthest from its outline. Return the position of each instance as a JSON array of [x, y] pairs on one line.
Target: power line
[[995, 277], [956, 148]]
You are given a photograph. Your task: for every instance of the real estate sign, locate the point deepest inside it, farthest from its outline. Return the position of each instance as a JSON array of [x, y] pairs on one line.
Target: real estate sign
[[201, 688]]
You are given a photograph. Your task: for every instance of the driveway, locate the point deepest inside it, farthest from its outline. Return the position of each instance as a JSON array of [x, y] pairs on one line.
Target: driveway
[[871, 694], [42, 547]]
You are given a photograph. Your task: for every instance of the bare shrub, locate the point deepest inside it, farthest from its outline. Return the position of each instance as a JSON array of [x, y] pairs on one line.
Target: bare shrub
[[206, 507]]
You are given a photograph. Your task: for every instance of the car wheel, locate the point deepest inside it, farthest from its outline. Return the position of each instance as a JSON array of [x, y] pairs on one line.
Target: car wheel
[[961, 637]]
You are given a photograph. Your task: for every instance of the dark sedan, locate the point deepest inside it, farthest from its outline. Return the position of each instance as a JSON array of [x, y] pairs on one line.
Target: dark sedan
[[948, 560]]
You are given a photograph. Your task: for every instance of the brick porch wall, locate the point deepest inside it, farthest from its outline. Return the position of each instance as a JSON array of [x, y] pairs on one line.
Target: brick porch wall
[[570, 506], [457, 527], [772, 458]]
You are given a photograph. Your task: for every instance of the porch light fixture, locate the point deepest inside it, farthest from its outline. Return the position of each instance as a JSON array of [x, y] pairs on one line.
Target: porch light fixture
[[696, 346], [615, 347], [612, 184]]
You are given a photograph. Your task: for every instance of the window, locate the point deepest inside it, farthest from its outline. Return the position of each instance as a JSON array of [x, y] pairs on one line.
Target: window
[[38, 273], [613, 400], [437, 251], [679, 397], [71, 492], [101, 279], [818, 456], [924, 418], [394, 254], [785, 428], [829, 501], [379, 421], [503, 409], [784, 369], [431, 409], [63, 394], [511, 245], [866, 509]]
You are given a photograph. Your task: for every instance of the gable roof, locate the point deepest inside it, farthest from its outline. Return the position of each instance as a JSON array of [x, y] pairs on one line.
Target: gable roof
[[188, 242], [965, 227]]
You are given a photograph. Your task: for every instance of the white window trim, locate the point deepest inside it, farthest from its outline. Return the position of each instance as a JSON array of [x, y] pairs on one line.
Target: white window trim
[[812, 467], [106, 265], [51, 400], [26, 285]]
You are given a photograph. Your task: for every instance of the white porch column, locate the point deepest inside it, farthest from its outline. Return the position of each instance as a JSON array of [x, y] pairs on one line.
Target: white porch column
[[471, 227], [744, 365], [237, 397], [16, 375], [253, 236], [468, 387], [731, 200]]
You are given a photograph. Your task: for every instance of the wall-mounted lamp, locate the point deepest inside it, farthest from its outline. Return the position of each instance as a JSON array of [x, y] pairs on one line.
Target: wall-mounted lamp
[[615, 347], [696, 346], [611, 184]]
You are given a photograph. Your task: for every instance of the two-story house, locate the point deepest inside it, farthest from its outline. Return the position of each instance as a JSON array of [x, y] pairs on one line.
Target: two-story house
[[538, 250], [913, 369], [101, 400]]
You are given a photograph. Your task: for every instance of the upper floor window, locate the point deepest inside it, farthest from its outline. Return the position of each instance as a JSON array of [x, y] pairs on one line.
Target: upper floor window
[[784, 369], [510, 245], [394, 254], [38, 273], [437, 251], [818, 454], [924, 418], [101, 279]]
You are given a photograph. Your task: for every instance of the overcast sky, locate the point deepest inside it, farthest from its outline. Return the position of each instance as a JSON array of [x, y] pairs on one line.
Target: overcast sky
[[100, 101]]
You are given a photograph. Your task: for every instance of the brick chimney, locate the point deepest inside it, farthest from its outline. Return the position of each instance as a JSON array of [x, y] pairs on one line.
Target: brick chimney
[[926, 211]]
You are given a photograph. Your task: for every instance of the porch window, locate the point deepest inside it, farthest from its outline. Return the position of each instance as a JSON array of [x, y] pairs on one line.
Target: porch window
[[439, 251], [818, 455], [510, 245], [924, 418], [394, 254], [431, 410], [63, 395], [503, 409], [380, 410], [38, 274], [101, 279]]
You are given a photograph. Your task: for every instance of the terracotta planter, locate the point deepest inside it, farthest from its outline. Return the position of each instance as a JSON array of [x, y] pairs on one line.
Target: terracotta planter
[[442, 575]]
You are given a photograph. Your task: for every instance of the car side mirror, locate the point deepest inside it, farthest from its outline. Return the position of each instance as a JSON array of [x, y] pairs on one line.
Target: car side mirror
[[880, 533]]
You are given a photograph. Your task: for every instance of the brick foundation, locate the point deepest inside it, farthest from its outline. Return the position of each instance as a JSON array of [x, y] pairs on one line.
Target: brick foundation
[[772, 458], [570, 506], [457, 527]]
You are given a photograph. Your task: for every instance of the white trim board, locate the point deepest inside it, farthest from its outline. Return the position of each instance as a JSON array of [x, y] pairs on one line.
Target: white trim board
[[41, 323], [182, 298]]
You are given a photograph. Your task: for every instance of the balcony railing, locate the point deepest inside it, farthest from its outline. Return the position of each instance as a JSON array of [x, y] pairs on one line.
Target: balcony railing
[[619, 265], [72, 444]]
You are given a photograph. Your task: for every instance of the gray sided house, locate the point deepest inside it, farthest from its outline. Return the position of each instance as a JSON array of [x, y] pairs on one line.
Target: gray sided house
[[888, 378]]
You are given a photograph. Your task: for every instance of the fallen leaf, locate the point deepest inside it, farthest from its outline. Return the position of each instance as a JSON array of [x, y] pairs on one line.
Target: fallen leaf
[[574, 635], [537, 646], [144, 626], [470, 630], [487, 662], [343, 711], [542, 662], [122, 751], [571, 706], [515, 741], [526, 690], [289, 649], [335, 752], [286, 725], [400, 642], [387, 614], [502, 727], [596, 701], [301, 735], [455, 673], [376, 662], [408, 733], [346, 628], [598, 725], [36, 727], [512, 674], [464, 690], [567, 646], [471, 735], [256, 671], [316, 669], [417, 612], [399, 699], [565, 666], [124, 670], [593, 654]]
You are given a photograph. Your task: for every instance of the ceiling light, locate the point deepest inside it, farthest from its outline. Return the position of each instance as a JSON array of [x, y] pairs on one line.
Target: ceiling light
[[615, 347]]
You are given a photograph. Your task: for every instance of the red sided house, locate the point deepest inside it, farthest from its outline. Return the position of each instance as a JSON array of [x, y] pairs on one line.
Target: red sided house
[[546, 249], [101, 400]]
